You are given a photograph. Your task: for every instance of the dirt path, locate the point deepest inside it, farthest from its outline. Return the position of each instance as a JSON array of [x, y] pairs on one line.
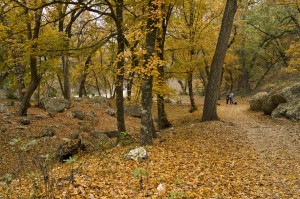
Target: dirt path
[[271, 138], [276, 143]]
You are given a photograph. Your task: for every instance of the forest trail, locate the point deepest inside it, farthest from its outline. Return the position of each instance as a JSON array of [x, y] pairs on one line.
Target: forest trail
[[271, 138], [244, 155], [276, 143]]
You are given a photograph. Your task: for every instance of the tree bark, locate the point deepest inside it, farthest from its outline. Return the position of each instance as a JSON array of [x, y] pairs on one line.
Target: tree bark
[[213, 87], [120, 68], [97, 83], [191, 93], [244, 79], [67, 87], [182, 86], [32, 35], [161, 36], [84, 75], [146, 119]]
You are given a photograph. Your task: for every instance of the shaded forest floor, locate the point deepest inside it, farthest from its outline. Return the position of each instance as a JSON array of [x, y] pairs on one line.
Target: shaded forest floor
[[245, 155]]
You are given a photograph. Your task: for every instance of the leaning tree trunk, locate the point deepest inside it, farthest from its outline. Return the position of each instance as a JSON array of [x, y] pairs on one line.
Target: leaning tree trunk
[[146, 119], [32, 87], [182, 86], [32, 35], [84, 75], [213, 87]]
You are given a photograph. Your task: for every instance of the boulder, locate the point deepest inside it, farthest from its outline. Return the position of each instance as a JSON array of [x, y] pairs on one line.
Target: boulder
[[256, 102], [290, 110], [68, 148], [48, 131], [101, 140], [3, 108], [287, 94], [74, 135], [78, 114], [111, 112], [284, 95], [54, 104], [137, 154], [133, 110], [24, 120], [100, 100], [268, 106], [10, 103]]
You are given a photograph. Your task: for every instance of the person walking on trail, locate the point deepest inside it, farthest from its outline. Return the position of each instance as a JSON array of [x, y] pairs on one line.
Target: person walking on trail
[[227, 98], [231, 98]]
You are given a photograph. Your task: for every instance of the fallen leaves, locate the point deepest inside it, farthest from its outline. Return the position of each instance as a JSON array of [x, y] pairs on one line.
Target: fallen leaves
[[196, 160]]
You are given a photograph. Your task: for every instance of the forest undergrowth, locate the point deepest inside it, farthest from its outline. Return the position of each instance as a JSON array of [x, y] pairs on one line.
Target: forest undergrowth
[[244, 155]]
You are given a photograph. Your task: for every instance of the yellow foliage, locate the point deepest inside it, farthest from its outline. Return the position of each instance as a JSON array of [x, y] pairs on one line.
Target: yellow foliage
[[294, 53]]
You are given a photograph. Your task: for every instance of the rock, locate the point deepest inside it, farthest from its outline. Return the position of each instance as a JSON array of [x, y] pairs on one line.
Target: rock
[[287, 94], [133, 110], [24, 120], [268, 106], [111, 134], [68, 149], [98, 135], [10, 103], [290, 110], [3, 108], [54, 105], [78, 114], [101, 140], [111, 112], [74, 135], [70, 115], [48, 131], [100, 100], [137, 154], [256, 102], [284, 95]]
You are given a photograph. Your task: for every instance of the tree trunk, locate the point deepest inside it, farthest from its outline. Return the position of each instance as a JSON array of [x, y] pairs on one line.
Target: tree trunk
[[146, 119], [20, 77], [67, 88], [32, 87], [32, 35], [60, 84], [135, 63], [97, 83], [120, 68], [191, 93], [182, 86], [213, 87], [3, 77], [244, 79], [84, 75], [161, 36]]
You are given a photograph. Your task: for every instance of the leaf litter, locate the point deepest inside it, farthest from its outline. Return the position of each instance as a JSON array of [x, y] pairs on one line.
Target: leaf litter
[[245, 155]]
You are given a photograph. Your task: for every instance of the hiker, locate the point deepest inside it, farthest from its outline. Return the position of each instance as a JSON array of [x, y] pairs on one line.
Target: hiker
[[231, 98], [227, 98]]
